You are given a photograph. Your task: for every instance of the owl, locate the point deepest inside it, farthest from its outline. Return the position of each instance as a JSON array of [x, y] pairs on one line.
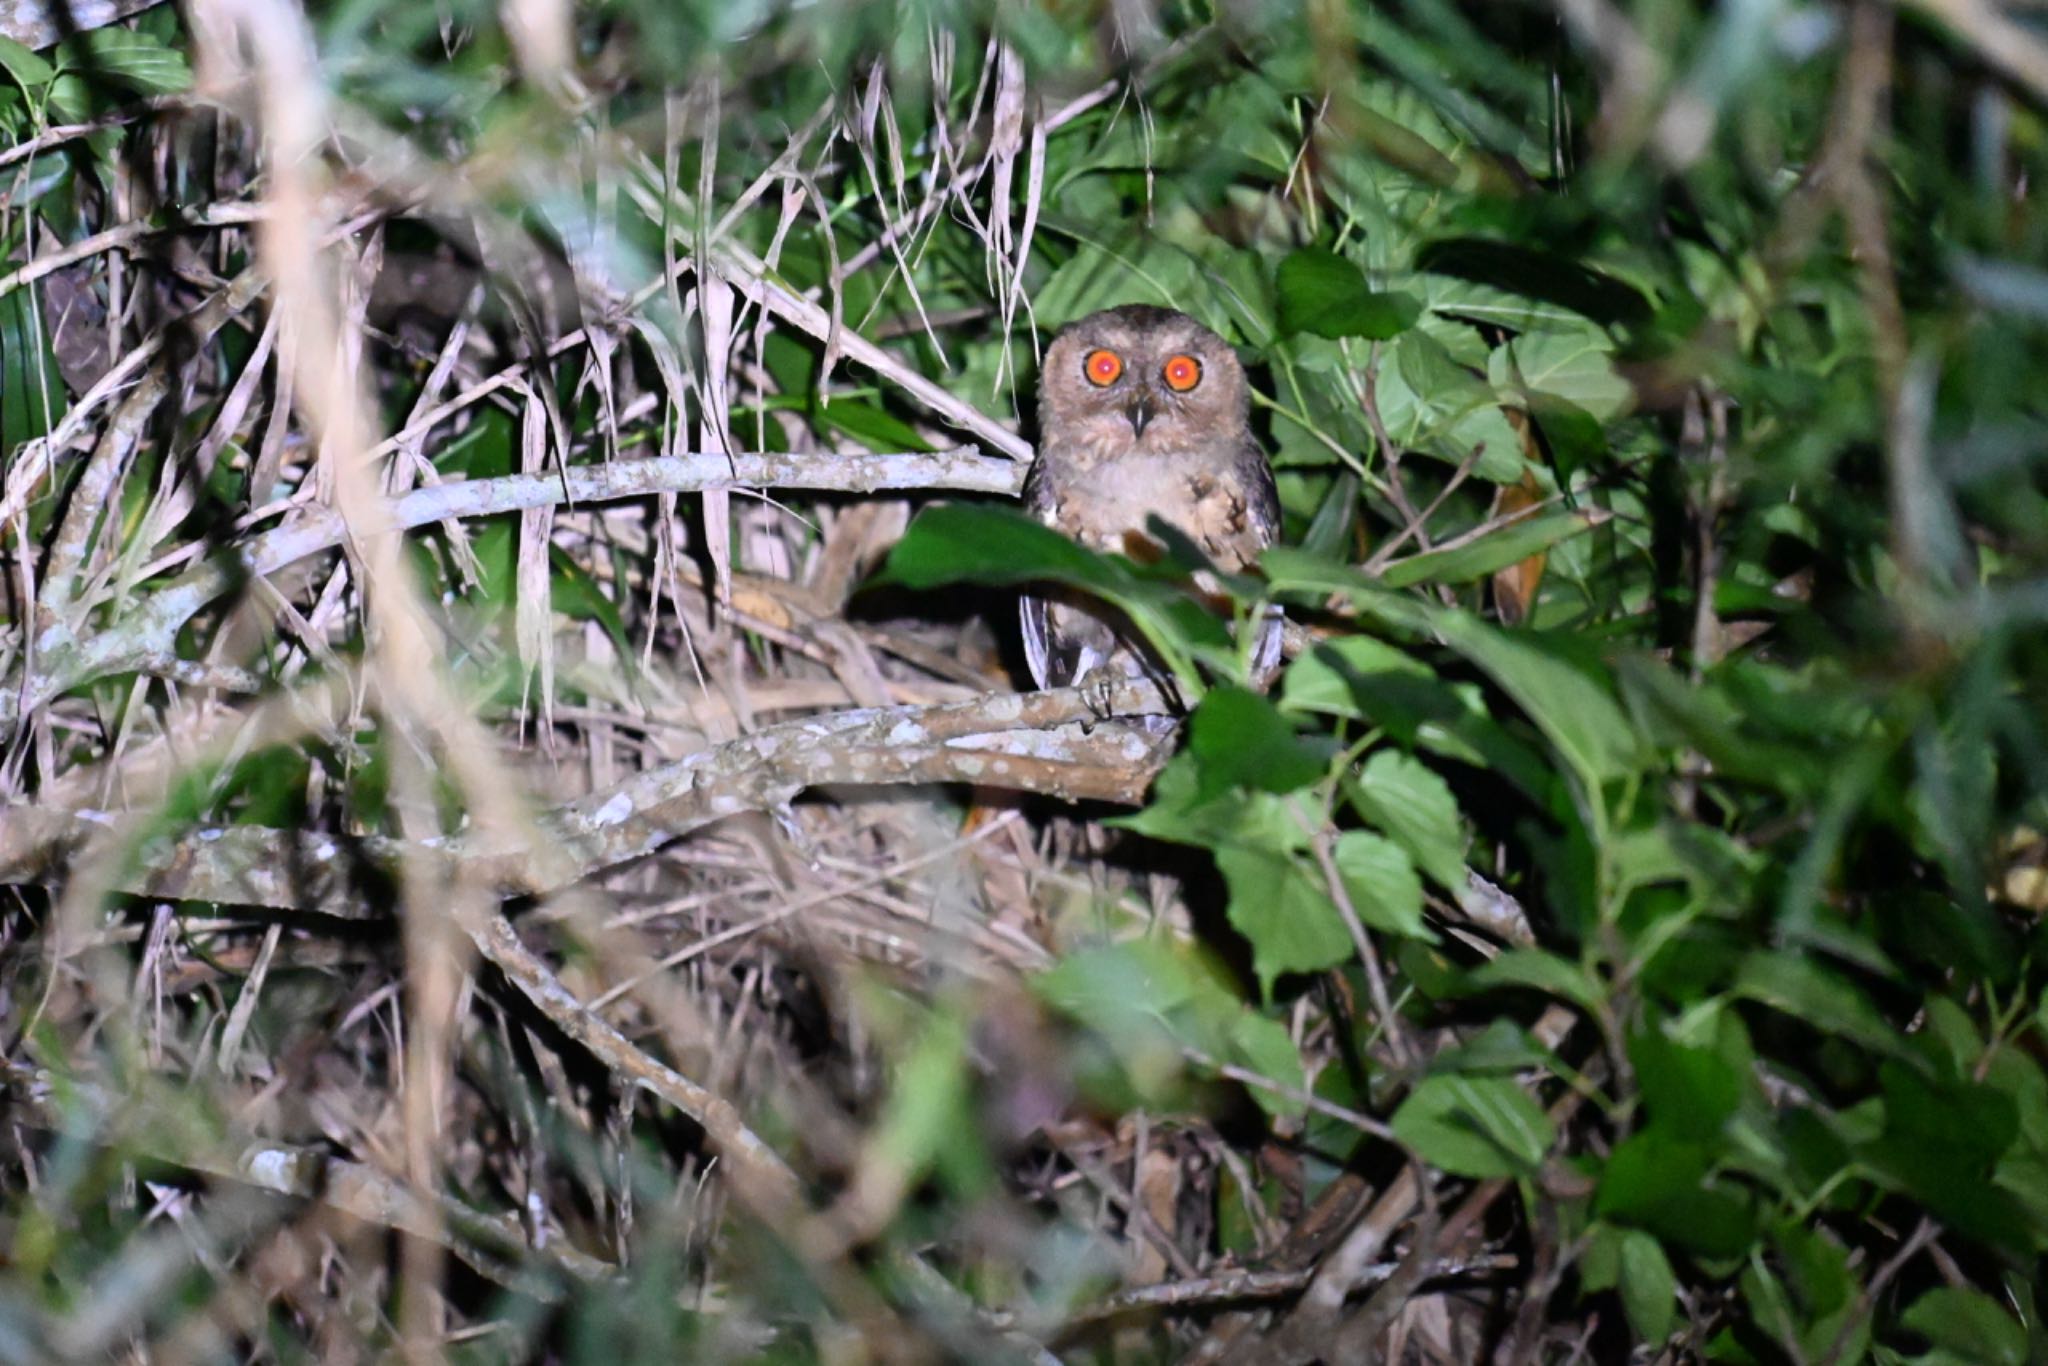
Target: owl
[[1142, 412]]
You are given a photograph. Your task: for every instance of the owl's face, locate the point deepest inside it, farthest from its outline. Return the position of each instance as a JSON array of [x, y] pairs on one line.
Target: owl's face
[[1139, 379]]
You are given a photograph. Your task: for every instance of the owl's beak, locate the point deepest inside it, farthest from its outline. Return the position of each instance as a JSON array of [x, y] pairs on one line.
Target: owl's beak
[[1140, 411]]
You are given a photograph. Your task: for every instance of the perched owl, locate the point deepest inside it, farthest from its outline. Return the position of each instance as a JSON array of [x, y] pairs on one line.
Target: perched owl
[[1142, 412]]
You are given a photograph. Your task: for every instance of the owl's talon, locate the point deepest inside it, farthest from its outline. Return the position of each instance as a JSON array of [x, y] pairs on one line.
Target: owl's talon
[[1101, 694]]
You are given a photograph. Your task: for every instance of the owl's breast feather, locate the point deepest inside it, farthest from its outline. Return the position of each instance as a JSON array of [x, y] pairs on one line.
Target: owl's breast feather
[[1102, 505]]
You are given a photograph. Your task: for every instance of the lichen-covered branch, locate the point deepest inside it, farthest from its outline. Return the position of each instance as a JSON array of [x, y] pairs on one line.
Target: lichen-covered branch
[[1045, 742]]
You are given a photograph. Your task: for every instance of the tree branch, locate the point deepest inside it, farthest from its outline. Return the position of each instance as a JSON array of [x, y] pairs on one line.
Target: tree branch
[[1026, 742]]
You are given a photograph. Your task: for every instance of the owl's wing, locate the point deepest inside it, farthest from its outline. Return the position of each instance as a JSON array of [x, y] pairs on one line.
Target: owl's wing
[[1261, 494], [1034, 614], [1262, 515]]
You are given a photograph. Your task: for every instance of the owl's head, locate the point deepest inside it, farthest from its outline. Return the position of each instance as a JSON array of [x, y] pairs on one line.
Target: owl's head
[[1139, 378]]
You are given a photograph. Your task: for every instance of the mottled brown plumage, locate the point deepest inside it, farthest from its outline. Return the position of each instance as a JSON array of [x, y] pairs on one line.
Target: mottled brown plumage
[[1142, 412]]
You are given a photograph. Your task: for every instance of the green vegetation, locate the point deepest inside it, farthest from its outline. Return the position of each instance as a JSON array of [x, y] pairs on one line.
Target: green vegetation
[[520, 935]]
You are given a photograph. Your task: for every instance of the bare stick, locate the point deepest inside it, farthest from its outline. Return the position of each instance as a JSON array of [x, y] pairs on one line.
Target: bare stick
[[147, 635]]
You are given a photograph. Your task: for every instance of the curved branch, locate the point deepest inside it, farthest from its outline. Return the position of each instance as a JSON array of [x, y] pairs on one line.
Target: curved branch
[[1045, 742]]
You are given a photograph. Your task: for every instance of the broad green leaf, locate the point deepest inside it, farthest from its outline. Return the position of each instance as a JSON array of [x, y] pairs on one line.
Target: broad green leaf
[[1649, 1287], [1941, 1140], [1503, 1048], [575, 594], [1540, 970], [1800, 987], [25, 66], [1495, 550], [870, 424], [1279, 903], [1691, 1090], [1307, 577], [970, 543], [1238, 739], [1973, 1326], [1381, 883], [127, 56], [927, 1108], [1576, 291], [1135, 269], [1818, 1277], [1324, 680], [1575, 367], [1475, 1126], [1575, 712], [1657, 1181], [1323, 293], [964, 542], [1152, 1000], [1263, 1046], [1462, 299], [1255, 820], [1124, 990], [1329, 532], [1412, 804], [1600, 1268]]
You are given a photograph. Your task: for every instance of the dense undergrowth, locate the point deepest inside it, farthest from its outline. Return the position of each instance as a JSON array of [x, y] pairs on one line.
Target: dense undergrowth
[[521, 836]]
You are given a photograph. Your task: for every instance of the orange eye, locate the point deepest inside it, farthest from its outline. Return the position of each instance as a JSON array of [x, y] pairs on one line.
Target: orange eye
[[1102, 368], [1182, 373]]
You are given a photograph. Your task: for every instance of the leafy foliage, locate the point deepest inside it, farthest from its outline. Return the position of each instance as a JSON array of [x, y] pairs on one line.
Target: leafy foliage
[[1642, 857]]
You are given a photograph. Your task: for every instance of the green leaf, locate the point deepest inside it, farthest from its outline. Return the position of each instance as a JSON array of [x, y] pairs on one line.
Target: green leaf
[[1151, 1000], [1971, 1325], [1299, 575], [578, 596], [1692, 1090], [127, 57], [1475, 1126], [1239, 739], [1325, 679], [1322, 293], [965, 542], [1265, 1047], [1252, 819], [30, 70], [971, 543], [1530, 273], [1575, 711], [928, 1107], [1941, 1139], [1136, 268], [70, 98], [1278, 903], [1411, 803], [1123, 990], [1575, 367], [870, 424], [32, 394], [1540, 970], [1495, 550], [1381, 883], [1801, 987], [1657, 1181], [1649, 1288]]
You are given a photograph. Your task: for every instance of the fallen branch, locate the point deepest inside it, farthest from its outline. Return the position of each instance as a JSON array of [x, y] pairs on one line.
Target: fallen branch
[[1027, 742], [148, 635]]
